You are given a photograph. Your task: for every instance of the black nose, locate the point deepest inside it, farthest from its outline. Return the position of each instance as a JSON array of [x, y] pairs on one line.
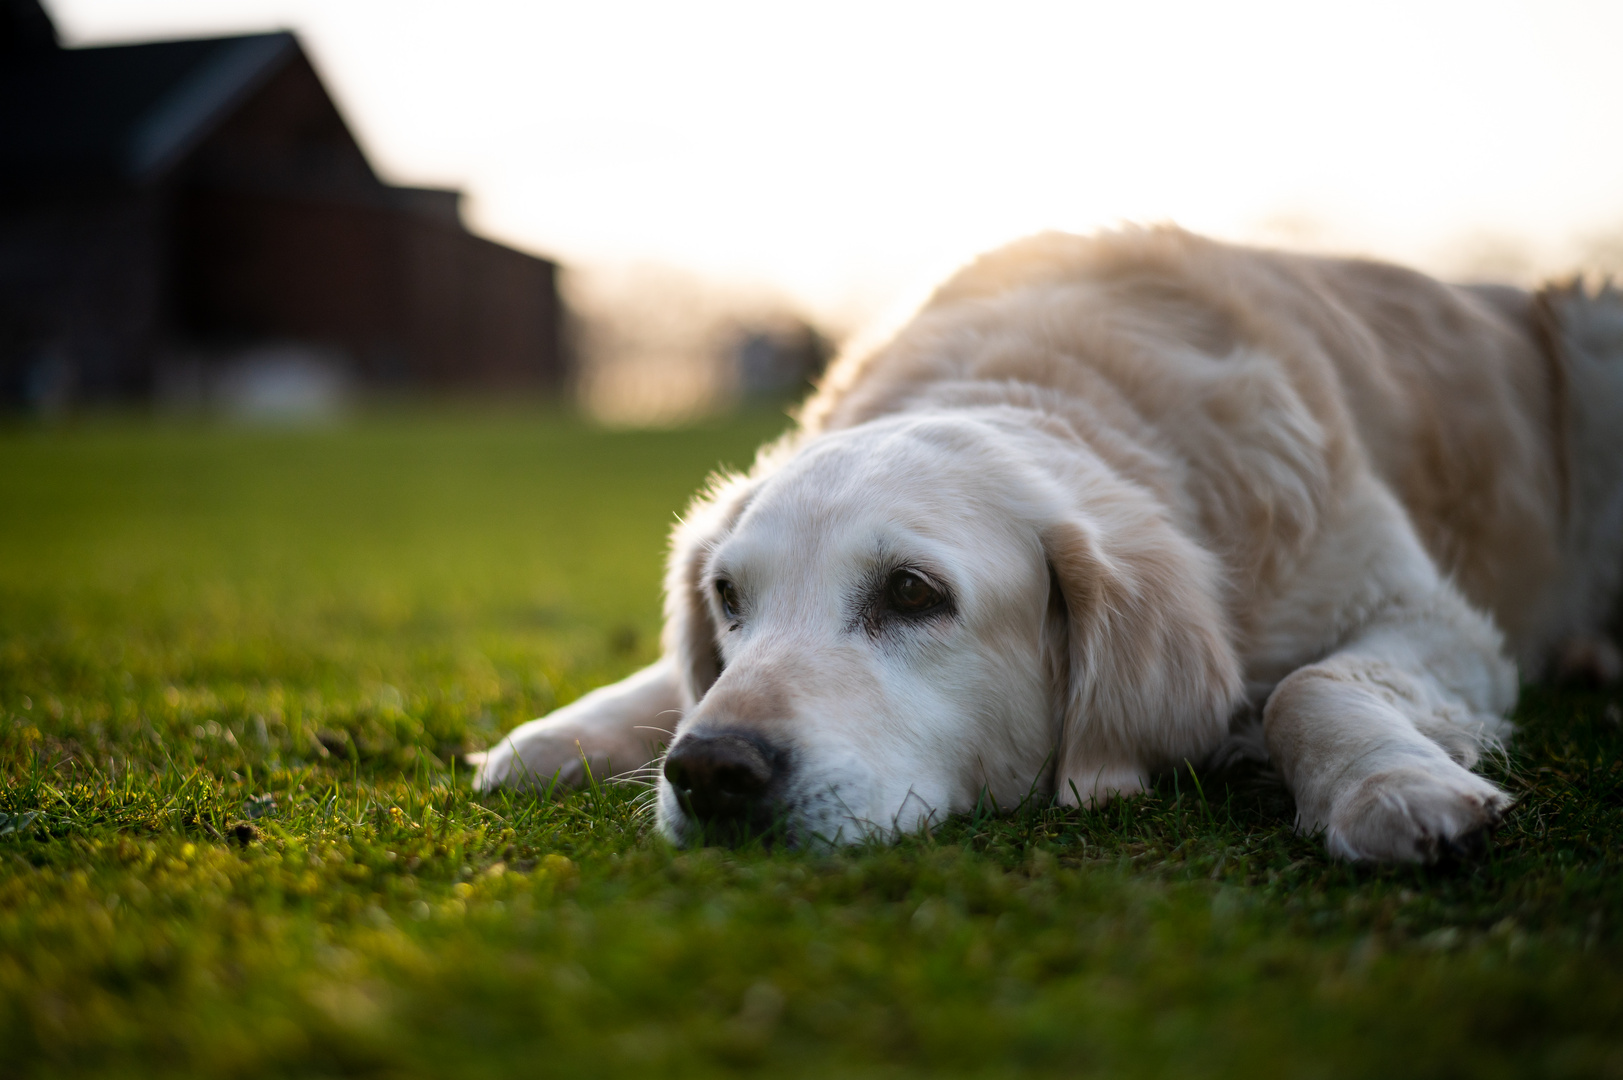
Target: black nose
[[724, 782]]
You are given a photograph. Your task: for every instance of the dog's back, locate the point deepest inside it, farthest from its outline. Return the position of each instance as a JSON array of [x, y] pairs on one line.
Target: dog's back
[[1493, 414]]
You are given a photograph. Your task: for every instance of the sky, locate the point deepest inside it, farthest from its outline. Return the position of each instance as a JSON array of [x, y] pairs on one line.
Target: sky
[[845, 153]]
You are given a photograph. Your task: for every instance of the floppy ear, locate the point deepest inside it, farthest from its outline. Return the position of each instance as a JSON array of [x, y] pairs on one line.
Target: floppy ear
[[1147, 674], [690, 630]]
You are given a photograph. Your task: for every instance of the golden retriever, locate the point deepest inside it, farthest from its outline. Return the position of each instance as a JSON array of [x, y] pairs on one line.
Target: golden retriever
[[1110, 505]]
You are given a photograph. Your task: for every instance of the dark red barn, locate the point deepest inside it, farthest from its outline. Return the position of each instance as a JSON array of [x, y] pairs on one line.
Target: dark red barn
[[167, 206]]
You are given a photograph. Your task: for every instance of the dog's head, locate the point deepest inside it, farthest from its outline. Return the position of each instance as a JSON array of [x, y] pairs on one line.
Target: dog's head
[[920, 612]]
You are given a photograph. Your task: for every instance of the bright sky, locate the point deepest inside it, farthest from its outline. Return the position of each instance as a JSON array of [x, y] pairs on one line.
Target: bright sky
[[839, 151]]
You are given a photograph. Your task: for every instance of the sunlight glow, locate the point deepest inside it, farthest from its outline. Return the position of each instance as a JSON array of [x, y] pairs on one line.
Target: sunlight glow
[[838, 151]]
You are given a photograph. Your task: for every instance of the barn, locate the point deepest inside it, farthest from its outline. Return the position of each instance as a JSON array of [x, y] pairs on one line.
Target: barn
[[170, 208]]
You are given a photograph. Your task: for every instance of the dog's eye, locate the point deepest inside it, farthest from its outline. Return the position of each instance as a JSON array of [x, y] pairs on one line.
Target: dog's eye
[[729, 599], [910, 594]]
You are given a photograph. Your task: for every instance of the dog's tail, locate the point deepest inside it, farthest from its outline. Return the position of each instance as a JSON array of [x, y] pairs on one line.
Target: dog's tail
[[1581, 327], [1581, 330], [1587, 321]]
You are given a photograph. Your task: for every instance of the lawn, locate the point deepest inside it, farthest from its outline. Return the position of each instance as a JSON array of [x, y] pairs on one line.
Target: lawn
[[238, 668]]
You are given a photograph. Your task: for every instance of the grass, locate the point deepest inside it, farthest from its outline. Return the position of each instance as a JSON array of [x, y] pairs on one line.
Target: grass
[[237, 668]]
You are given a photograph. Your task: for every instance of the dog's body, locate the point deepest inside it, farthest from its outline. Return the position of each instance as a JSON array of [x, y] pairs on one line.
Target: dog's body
[[1106, 506]]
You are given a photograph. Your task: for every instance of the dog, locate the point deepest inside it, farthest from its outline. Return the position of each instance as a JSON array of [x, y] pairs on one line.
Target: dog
[[1115, 505]]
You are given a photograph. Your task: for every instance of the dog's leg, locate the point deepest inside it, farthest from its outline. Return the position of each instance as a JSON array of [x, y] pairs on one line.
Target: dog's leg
[[615, 729], [1376, 741]]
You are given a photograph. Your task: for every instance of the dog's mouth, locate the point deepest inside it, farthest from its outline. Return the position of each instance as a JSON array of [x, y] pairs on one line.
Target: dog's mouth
[[768, 827]]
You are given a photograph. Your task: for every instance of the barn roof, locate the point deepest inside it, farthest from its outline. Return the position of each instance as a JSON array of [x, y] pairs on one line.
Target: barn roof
[[124, 112], [121, 114]]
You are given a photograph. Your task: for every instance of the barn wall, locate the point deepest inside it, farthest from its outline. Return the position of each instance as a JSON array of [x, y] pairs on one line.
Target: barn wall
[[410, 299], [83, 284]]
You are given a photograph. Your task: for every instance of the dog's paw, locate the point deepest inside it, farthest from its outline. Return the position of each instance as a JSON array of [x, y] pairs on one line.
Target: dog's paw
[[1415, 815], [1095, 784], [532, 759]]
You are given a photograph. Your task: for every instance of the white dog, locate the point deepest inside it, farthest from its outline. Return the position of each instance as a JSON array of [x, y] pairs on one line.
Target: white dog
[[1106, 506]]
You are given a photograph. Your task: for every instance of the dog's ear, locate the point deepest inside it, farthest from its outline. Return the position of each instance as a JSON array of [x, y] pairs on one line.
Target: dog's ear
[[690, 629], [1145, 673]]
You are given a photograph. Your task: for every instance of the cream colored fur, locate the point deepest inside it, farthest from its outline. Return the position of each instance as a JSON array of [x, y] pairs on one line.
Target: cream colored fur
[[1190, 500]]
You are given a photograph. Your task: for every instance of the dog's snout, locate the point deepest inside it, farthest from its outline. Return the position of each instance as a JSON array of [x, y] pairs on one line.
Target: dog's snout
[[724, 781]]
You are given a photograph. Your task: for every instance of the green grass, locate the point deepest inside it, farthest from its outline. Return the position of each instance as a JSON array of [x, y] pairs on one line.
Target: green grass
[[237, 668]]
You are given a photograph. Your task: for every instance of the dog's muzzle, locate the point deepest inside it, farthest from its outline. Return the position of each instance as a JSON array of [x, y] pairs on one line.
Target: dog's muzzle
[[725, 783]]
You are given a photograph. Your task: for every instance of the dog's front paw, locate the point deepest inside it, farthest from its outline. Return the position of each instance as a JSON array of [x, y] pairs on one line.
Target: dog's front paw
[[532, 758], [1414, 814]]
